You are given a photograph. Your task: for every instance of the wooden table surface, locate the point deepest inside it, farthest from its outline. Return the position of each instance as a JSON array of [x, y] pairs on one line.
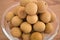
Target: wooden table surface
[[54, 5]]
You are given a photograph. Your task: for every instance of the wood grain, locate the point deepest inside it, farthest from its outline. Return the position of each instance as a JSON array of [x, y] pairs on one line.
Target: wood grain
[[54, 5]]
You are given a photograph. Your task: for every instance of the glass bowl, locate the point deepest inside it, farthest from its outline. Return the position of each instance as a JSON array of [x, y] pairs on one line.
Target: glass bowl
[[6, 29]]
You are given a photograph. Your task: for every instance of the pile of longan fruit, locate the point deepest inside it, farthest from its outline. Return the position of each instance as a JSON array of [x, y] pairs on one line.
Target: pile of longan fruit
[[30, 19]]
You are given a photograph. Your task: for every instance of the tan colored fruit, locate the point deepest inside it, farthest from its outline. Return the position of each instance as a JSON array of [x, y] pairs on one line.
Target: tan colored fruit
[[32, 19], [16, 32], [26, 36], [31, 8], [16, 9], [45, 17], [42, 6], [21, 12], [49, 28], [26, 27], [36, 36], [53, 16], [39, 26], [25, 2], [9, 16], [16, 21]]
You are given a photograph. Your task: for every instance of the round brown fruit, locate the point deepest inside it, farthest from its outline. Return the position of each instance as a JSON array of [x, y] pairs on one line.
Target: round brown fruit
[[53, 16], [32, 19], [21, 12], [26, 27], [25, 2], [36, 36], [39, 26], [16, 21], [26, 36], [15, 10], [9, 16], [16, 32], [42, 6], [45, 17], [49, 28], [31, 8]]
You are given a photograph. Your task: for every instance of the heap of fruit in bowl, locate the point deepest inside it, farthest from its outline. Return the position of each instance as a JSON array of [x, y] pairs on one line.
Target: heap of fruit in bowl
[[30, 19]]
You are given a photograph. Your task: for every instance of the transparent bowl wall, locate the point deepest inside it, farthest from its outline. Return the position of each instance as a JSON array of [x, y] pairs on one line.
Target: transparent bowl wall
[[6, 29]]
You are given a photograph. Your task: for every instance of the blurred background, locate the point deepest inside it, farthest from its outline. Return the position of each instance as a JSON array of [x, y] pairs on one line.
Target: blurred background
[[53, 4]]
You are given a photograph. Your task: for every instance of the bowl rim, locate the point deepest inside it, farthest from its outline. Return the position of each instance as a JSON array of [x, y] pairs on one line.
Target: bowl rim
[[10, 37]]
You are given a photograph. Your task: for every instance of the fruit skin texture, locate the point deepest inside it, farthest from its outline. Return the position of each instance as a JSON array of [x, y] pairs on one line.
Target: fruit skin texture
[[31, 8], [21, 12], [26, 36], [32, 19], [9, 16], [16, 21], [36, 36], [39, 26], [53, 16], [42, 6], [16, 32], [49, 28], [45, 17], [25, 2], [26, 27], [15, 10]]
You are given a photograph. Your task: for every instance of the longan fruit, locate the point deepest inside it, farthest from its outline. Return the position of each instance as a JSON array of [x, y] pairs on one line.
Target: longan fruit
[[45, 17], [42, 6], [21, 12], [16, 32], [25, 36], [49, 28], [36, 36], [25, 2], [9, 16], [16, 9], [53, 16], [16, 21], [26, 27], [31, 8], [32, 19], [39, 26]]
